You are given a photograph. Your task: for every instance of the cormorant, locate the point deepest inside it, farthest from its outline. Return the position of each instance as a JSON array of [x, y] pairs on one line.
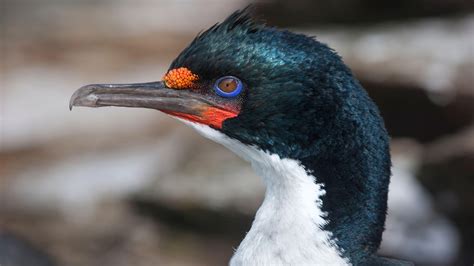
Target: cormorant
[[290, 106]]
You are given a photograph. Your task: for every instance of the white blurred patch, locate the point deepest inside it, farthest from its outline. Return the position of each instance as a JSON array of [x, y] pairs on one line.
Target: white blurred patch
[[76, 185], [414, 230]]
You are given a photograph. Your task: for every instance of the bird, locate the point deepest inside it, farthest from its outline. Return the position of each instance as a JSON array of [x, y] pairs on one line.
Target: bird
[[288, 104]]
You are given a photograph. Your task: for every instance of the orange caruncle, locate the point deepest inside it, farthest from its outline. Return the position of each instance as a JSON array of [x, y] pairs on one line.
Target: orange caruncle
[[180, 78]]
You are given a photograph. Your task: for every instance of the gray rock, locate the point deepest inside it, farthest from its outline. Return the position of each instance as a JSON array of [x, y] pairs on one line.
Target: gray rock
[[448, 172]]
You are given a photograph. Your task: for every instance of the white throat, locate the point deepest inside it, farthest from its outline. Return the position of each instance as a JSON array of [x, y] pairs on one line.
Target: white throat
[[287, 229]]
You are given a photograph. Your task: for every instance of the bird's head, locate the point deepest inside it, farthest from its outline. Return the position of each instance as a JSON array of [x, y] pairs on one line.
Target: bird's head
[[253, 83], [286, 94]]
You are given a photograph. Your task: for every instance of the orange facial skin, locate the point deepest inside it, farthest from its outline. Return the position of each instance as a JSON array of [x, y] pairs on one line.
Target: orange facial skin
[[211, 116], [180, 78]]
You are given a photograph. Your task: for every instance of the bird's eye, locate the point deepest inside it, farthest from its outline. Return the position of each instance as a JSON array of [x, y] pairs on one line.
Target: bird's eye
[[228, 86]]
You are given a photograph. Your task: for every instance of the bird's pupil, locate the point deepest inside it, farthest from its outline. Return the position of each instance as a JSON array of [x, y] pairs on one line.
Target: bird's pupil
[[228, 85]]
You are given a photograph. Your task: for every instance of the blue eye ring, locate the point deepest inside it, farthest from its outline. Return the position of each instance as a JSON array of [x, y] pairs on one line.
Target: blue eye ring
[[231, 94]]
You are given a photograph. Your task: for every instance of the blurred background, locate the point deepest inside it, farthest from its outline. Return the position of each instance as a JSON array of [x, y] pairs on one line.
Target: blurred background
[[115, 186]]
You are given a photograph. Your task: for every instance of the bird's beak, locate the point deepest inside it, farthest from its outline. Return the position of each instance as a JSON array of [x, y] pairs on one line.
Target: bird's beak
[[154, 95]]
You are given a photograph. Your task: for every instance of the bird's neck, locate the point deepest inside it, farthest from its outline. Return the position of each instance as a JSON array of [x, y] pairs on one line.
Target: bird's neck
[[287, 229]]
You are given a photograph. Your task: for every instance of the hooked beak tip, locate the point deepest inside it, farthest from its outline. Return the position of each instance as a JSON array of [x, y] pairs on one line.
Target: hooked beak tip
[[84, 96]]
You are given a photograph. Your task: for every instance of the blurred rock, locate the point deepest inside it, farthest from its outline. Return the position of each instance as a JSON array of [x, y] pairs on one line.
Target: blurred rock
[[420, 73], [448, 172], [52, 31], [414, 229], [76, 184], [18, 252], [304, 12], [115, 236]]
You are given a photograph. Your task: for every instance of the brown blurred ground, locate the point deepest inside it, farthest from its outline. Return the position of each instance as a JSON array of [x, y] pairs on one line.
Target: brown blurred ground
[[133, 187]]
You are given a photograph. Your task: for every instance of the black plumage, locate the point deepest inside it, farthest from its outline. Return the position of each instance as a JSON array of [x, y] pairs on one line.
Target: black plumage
[[302, 102]]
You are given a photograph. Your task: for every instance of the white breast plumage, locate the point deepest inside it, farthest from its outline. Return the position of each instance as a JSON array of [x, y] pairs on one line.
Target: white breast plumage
[[287, 229]]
